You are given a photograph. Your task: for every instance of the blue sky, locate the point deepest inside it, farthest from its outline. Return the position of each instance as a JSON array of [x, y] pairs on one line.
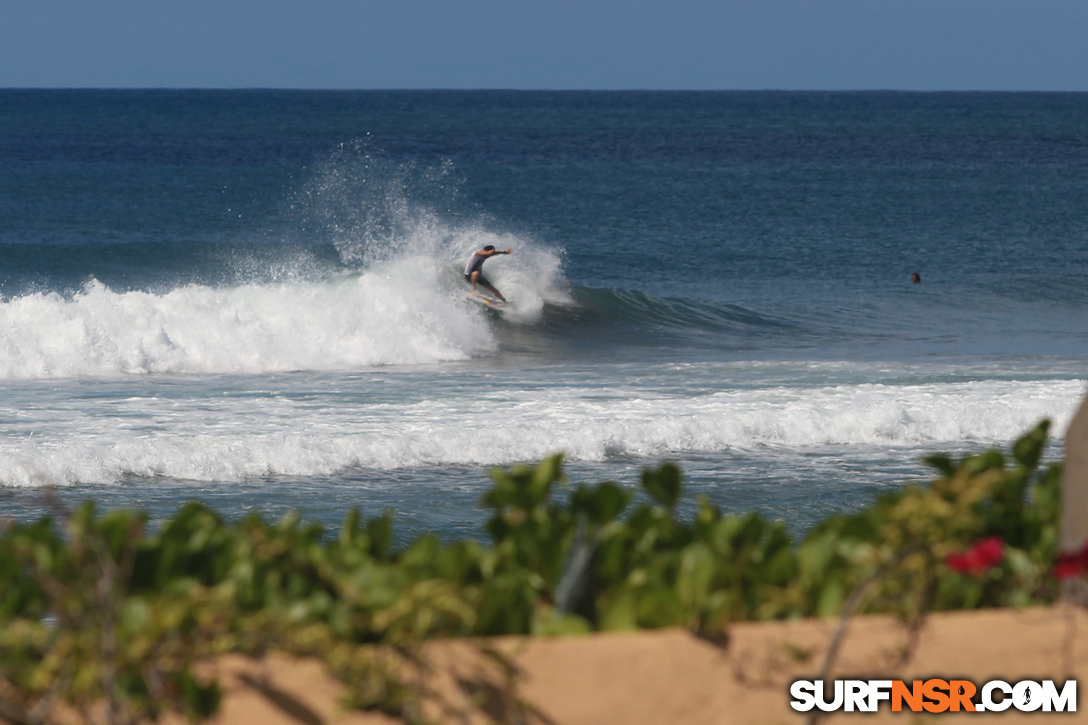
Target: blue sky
[[561, 44]]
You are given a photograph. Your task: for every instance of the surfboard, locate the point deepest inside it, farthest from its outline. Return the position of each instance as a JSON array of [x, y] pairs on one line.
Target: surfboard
[[489, 302]]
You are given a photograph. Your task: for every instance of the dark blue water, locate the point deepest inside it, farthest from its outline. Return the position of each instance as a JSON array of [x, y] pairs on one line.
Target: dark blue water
[[254, 296]]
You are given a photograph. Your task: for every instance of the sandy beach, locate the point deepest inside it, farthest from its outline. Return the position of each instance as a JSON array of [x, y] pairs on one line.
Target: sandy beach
[[671, 676]]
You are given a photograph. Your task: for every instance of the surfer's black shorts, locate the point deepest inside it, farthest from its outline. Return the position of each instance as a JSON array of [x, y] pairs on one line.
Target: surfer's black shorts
[[479, 280]]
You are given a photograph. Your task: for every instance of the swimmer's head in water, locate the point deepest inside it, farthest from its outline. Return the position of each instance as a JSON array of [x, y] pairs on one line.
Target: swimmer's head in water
[[916, 278]]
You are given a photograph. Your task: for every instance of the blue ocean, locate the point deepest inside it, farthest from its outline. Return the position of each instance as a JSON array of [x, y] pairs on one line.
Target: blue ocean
[[256, 298]]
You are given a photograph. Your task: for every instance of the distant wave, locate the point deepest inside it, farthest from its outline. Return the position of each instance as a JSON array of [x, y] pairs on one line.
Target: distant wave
[[406, 306], [588, 323], [411, 310], [639, 311]]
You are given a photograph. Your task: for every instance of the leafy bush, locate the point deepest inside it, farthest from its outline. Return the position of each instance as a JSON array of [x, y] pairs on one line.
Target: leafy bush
[[110, 620], [914, 533]]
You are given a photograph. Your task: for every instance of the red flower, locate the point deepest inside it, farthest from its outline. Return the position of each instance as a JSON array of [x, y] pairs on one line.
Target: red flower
[[984, 554], [1071, 563]]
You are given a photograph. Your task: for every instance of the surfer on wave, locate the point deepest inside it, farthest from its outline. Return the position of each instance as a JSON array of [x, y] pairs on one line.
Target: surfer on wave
[[474, 273]]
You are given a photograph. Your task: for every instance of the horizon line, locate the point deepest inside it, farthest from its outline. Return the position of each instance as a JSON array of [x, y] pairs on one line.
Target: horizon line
[[498, 89]]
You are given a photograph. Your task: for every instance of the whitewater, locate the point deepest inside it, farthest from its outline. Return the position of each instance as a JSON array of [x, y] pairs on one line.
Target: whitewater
[[318, 427], [406, 311]]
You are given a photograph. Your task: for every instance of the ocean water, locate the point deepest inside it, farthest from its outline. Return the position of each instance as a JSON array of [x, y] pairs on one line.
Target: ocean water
[[255, 298]]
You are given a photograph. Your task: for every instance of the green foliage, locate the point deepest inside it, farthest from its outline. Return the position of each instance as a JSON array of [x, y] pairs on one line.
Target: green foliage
[[105, 613], [911, 533]]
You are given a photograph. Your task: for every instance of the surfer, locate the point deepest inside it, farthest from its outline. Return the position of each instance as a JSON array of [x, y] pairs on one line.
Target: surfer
[[474, 273]]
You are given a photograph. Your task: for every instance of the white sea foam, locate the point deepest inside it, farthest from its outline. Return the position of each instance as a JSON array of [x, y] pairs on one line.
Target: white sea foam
[[399, 316], [410, 309], [483, 421]]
